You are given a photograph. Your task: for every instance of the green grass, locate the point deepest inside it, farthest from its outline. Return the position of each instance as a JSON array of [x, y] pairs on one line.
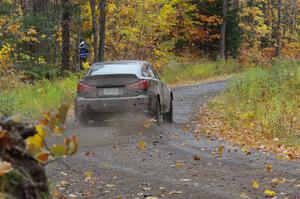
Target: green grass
[[30, 101], [188, 73], [268, 97]]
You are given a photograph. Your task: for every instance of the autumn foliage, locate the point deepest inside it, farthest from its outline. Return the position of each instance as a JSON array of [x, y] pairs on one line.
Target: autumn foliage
[[24, 152]]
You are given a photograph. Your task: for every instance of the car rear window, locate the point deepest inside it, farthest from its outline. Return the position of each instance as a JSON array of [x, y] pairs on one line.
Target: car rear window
[[108, 69]]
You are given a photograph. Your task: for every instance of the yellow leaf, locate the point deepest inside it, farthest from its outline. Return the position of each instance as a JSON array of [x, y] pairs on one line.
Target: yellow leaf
[[270, 193], [179, 165], [71, 145], [255, 184], [35, 141], [5, 167], [57, 150], [141, 145], [86, 65], [40, 131], [246, 151], [88, 174], [269, 167], [220, 150]]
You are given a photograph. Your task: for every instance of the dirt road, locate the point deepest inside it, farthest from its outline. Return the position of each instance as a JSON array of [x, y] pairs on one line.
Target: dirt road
[[111, 164]]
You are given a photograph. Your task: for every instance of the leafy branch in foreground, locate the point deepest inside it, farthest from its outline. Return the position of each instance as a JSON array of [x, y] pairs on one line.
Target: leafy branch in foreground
[[24, 152]]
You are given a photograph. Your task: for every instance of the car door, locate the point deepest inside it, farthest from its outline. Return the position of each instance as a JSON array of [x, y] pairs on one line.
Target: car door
[[160, 86]]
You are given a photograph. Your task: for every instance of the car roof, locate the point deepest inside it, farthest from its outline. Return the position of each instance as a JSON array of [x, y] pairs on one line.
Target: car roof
[[121, 62], [114, 67]]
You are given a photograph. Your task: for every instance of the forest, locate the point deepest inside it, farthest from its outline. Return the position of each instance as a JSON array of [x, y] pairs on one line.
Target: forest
[[251, 45], [39, 38]]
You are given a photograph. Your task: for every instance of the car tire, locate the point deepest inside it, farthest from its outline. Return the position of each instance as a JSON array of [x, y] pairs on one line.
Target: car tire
[[158, 115], [168, 117], [82, 118]]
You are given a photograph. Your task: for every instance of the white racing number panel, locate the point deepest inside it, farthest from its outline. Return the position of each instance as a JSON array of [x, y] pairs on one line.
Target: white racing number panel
[[114, 91]]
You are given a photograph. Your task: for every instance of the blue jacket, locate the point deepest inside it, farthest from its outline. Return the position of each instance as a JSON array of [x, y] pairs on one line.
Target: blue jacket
[[83, 50]]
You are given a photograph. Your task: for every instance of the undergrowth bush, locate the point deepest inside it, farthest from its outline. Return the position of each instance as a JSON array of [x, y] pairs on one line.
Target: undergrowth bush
[[29, 101], [266, 99], [190, 72]]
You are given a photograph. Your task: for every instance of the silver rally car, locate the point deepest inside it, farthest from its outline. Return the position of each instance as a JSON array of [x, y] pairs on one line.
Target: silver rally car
[[122, 86]]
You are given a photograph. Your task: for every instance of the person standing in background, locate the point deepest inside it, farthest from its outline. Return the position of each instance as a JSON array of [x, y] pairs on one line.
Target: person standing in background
[[83, 53]]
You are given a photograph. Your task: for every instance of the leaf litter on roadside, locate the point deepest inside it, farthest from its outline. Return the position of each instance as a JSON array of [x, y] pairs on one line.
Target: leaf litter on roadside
[[213, 124]]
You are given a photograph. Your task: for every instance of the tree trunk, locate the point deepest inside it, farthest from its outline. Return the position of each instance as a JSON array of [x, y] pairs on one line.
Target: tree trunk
[[278, 33], [65, 23], [39, 5], [223, 29], [95, 29], [102, 30]]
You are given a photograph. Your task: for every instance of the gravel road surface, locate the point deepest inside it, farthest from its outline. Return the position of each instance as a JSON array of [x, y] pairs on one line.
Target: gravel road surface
[[111, 164]]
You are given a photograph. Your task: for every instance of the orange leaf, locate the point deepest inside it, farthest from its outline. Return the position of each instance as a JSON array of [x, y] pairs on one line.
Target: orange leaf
[[42, 157], [5, 167], [196, 158]]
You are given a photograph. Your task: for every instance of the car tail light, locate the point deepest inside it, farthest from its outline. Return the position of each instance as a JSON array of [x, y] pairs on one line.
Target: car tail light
[[84, 89], [141, 85]]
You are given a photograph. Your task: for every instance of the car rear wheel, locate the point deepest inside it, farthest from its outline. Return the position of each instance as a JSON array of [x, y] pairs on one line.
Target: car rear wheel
[[168, 117], [158, 115], [82, 117]]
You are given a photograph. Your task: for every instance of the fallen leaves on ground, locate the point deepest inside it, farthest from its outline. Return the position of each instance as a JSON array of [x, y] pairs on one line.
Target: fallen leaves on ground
[[64, 184], [268, 192], [147, 123], [244, 195], [269, 167], [197, 158], [246, 151], [255, 184], [178, 165], [278, 181], [220, 150], [211, 123], [88, 174], [175, 192], [142, 145], [185, 128]]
